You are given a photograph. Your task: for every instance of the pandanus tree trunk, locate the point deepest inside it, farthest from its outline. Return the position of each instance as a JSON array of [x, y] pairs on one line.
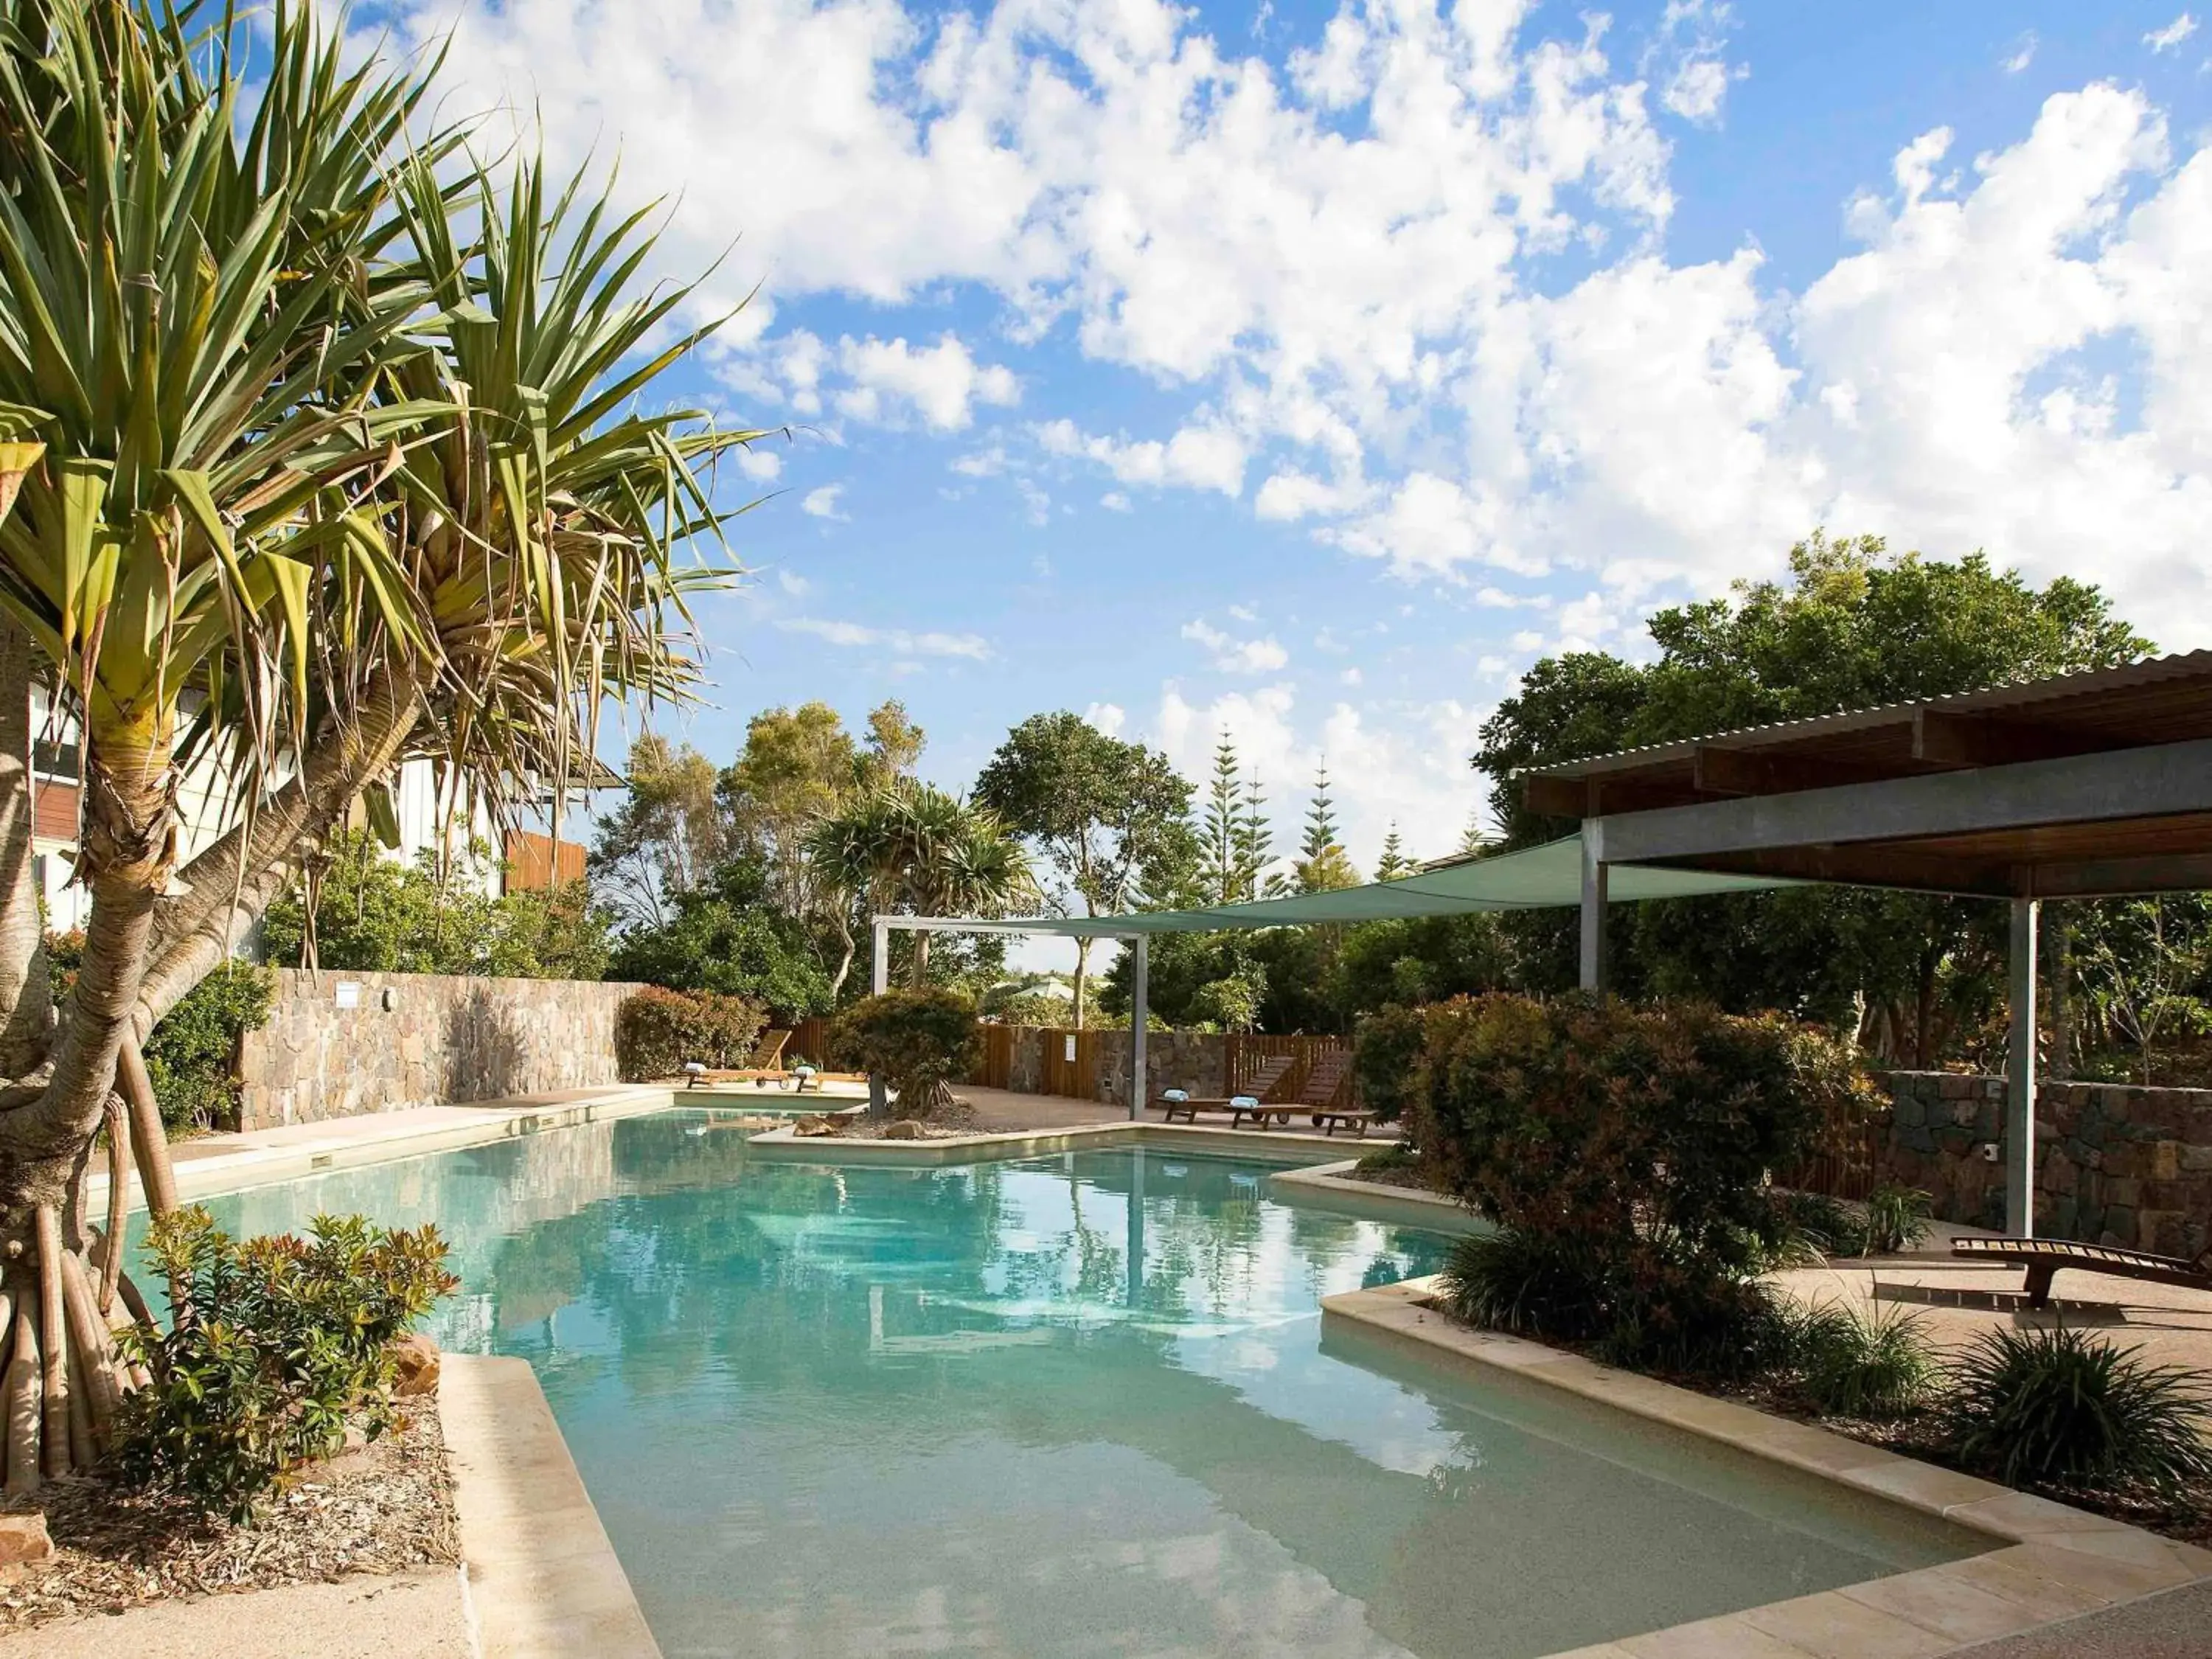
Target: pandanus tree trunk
[[61, 1278]]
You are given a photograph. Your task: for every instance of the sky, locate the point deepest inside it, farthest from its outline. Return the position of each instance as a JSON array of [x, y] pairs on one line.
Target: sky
[[1308, 371]]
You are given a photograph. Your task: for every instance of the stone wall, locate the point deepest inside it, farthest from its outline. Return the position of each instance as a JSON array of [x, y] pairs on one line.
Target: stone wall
[[421, 1040], [1194, 1060], [2115, 1164]]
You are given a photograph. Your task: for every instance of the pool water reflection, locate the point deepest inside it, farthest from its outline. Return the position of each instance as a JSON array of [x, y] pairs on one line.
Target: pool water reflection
[[1069, 1406]]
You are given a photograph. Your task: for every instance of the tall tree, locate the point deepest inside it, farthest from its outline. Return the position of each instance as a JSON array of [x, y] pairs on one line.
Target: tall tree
[[1322, 864], [1253, 842], [1853, 626], [1098, 809], [665, 838], [1225, 875], [305, 422], [1394, 862], [907, 846]]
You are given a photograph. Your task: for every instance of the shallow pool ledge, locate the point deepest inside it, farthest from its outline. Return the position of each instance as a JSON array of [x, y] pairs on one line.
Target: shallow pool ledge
[[2057, 1562], [544, 1582]]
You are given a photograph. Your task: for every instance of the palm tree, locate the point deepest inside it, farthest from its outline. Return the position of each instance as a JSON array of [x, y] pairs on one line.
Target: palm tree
[[908, 845], [306, 479]]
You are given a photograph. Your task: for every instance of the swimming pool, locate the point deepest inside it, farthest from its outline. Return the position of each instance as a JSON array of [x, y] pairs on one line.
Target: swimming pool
[[1068, 1406]]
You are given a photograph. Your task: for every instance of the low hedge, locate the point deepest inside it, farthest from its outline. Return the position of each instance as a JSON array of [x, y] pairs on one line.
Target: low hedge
[[657, 1030]]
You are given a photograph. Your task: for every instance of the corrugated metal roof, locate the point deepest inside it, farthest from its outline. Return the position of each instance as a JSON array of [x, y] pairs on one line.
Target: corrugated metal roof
[[2057, 689]]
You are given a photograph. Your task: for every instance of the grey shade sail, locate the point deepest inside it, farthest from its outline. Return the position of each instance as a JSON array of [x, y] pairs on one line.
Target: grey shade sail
[[1538, 877]]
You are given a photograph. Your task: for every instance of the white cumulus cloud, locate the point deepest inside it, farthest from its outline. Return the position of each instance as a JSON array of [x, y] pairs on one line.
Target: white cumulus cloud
[[1233, 656], [898, 641]]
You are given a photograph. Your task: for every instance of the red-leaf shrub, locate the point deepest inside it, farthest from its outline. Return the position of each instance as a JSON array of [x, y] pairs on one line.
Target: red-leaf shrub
[[657, 1030], [1633, 1138]]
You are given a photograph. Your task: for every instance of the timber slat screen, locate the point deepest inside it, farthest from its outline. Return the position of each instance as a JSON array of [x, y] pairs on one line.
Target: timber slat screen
[[1076, 1077], [1845, 1165], [996, 1070], [809, 1042]]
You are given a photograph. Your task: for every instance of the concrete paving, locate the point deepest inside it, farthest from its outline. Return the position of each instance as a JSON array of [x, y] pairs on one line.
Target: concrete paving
[[408, 1615], [2177, 1625]]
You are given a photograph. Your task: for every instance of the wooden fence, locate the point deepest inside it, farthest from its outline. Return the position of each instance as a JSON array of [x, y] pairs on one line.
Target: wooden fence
[[996, 1070], [809, 1042], [1849, 1163], [1071, 1063]]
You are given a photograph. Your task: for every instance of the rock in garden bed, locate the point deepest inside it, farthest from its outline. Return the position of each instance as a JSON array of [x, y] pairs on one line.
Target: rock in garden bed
[[957, 1119], [384, 1508]]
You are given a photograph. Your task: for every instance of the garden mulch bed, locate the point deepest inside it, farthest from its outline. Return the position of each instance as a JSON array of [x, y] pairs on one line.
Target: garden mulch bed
[[384, 1508], [2185, 1517], [958, 1119], [1408, 1175]]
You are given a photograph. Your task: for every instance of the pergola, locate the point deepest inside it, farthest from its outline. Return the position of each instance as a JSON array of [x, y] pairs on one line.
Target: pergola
[[2081, 786], [2094, 785]]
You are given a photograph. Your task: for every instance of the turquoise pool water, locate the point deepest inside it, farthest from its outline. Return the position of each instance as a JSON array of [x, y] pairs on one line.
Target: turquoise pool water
[[1072, 1406]]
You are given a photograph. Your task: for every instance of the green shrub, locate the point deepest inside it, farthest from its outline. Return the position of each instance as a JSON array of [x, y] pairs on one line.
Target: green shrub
[[1897, 1218], [1396, 1156], [1634, 1140], [274, 1345], [1816, 1222], [193, 1054], [657, 1030], [1386, 1052], [2057, 1407], [1511, 1280], [1865, 1365], [917, 1041]]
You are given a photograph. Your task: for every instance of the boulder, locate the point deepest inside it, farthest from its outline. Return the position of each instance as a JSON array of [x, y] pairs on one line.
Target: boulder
[[416, 1369], [814, 1124], [24, 1539], [904, 1129]]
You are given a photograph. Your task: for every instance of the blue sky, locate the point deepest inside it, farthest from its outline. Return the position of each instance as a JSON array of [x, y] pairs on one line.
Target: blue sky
[[1309, 371]]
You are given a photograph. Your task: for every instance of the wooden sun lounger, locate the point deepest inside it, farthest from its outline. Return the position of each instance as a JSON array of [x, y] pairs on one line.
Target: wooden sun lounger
[[1322, 1083], [2045, 1257], [767, 1062], [1270, 1074]]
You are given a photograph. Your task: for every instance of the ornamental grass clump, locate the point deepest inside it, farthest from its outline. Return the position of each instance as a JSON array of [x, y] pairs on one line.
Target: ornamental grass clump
[[1623, 1150], [1866, 1366], [276, 1345], [2060, 1408]]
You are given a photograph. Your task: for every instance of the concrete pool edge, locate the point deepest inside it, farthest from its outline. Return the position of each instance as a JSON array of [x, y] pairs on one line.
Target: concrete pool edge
[[2057, 1563], [542, 1576], [351, 1143]]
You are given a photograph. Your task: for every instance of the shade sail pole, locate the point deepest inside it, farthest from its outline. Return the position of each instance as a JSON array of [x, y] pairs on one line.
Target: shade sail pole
[[879, 980], [1594, 879], [2019, 1090], [1140, 1011]]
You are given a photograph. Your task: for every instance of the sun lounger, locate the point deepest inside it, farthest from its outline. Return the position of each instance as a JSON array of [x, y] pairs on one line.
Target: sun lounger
[[1179, 1103], [2045, 1257], [1323, 1081], [766, 1065]]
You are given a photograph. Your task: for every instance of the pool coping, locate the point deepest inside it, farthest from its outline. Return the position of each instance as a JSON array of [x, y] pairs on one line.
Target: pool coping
[[2055, 1563], [540, 1575], [352, 1142]]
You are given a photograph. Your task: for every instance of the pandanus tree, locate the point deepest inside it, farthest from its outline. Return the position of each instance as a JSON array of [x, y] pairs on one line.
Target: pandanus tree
[[908, 846], [317, 454]]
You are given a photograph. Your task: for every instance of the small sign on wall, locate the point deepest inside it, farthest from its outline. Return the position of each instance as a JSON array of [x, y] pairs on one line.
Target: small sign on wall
[[1071, 1048], [349, 994]]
